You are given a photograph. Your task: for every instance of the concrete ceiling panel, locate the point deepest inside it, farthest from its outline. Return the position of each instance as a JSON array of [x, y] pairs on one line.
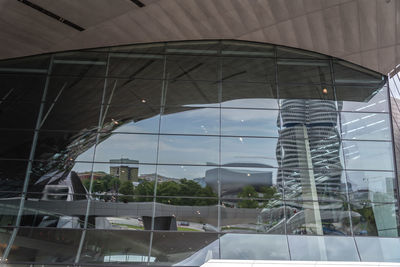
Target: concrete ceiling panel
[[365, 32]]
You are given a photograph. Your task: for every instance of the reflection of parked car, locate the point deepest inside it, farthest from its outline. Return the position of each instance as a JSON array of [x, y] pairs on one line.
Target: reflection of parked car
[[184, 223]]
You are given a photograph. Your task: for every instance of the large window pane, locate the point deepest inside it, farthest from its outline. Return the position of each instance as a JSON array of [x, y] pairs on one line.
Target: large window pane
[[122, 212], [139, 147], [362, 98], [348, 73], [375, 219], [252, 215], [107, 246], [204, 121], [249, 152], [365, 126], [173, 248], [245, 182], [248, 70], [318, 218], [45, 245], [318, 248], [58, 147], [15, 144], [5, 234], [56, 207], [254, 247], [367, 155], [371, 186], [9, 206], [374, 249], [21, 88], [313, 96], [192, 68], [249, 122], [249, 95], [120, 181], [136, 65], [12, 176], [188, 150], [185, 214], [304, 71], [189, 181], [131, 105], [314, 184], [190, 94], [133, 93], [320, 152]]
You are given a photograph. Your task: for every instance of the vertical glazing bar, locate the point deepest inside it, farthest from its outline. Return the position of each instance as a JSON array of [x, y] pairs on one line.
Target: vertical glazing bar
[[29, 167], [89, 196], [281, 149], [164, 85], [219, 202], [340, 141], [279, 140], [393, 145]]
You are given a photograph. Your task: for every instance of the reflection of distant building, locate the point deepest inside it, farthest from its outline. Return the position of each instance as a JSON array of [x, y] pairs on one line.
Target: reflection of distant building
[[88, 175], [233, 180], [125, 169]]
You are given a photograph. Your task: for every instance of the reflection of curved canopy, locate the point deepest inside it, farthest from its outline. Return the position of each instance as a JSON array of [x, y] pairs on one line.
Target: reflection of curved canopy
[[138, 88]]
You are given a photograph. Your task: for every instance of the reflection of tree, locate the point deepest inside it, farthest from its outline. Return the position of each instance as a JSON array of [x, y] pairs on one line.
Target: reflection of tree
[[249, 195], [185, 190], [127, 190], [182, 193], [103, 184], [365, 224]]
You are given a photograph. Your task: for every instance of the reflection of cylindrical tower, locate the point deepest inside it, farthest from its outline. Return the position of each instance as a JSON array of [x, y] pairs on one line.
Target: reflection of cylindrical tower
[[309, 139]]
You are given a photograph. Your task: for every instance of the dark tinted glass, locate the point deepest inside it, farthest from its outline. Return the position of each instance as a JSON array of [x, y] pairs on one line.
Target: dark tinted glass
[[177, 153]]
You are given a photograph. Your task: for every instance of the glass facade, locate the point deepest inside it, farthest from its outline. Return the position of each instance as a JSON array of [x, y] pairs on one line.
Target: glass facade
[[176, 153]]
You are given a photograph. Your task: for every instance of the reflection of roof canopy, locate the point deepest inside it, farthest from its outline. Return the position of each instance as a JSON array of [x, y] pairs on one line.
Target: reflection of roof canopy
[[136, 76], [363, 32]]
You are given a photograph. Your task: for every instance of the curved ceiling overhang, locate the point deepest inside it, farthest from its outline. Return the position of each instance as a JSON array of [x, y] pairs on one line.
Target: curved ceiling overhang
[[363, 32]]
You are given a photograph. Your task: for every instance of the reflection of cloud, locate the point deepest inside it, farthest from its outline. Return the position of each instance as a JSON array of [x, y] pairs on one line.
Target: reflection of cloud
[[249, 115], [252, 102], [201, 121], [134, 146], [188, 149]]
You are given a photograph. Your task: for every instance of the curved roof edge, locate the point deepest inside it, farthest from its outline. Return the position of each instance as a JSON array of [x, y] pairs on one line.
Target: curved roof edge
[[362, 32]]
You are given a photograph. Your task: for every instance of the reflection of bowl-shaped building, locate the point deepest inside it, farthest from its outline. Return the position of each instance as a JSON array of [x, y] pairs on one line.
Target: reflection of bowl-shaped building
[[233, 180]]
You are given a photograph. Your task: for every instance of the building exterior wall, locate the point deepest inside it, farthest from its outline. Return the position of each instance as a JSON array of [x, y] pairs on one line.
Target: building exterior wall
[[211, 149]]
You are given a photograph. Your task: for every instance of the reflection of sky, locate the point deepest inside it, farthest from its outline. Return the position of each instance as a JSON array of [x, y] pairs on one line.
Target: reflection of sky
[[249, 122], [202, 150], [377, 103]]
